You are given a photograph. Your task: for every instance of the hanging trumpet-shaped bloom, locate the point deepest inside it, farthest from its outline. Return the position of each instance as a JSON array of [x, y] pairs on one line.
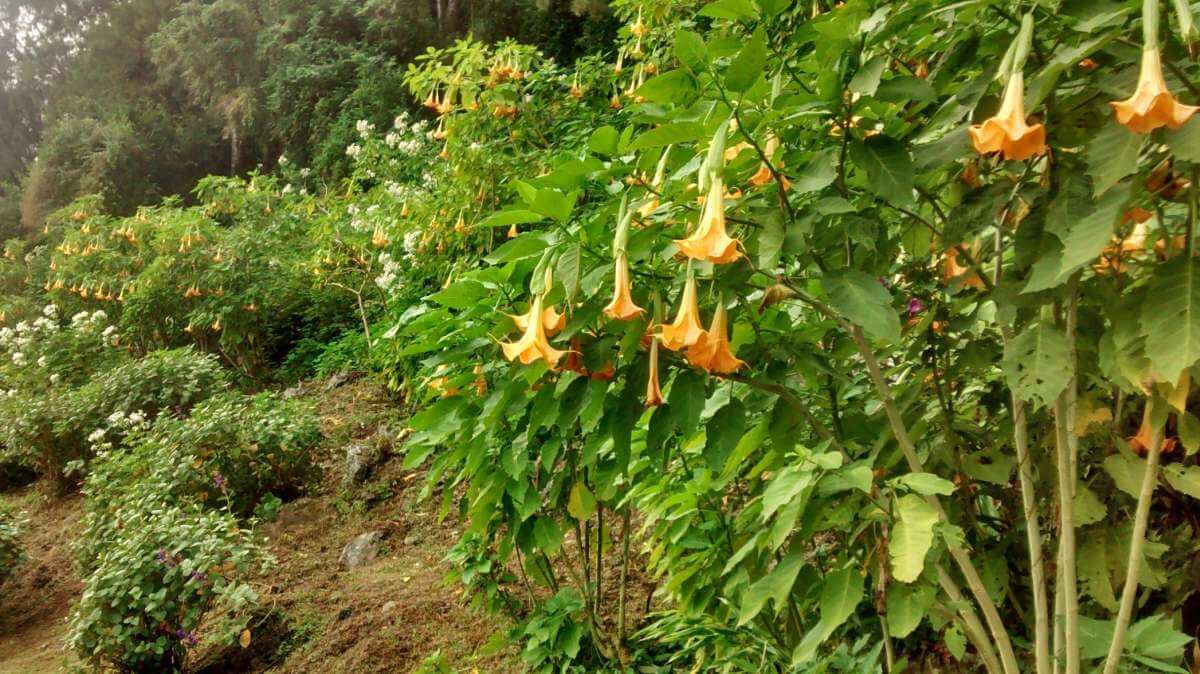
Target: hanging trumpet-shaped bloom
[[712, 351], [654, 395], [552, 321], [951, 269], [710, 242], [533, 344], [622, 307], [1006, 132], [686, 330], [1152, 104], [764, 175]]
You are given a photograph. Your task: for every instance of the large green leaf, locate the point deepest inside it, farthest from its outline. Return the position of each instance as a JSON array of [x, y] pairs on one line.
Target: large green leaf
[[889, 167], [723, 431], [818, 173], [748, 66], [927, 483], [1083, 226], [912, 537], [784, 487], [1037, 363], [906, 606], [862, 299], [775, 586], [1112, 155], [1127, 471], [690, 50], [668, 134], [840, 595], [1184, 479], [1185, 143], [1171, 318]]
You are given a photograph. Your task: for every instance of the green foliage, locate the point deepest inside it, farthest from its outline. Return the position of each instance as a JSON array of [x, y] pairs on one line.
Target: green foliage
[[175, 577], [11, 528]]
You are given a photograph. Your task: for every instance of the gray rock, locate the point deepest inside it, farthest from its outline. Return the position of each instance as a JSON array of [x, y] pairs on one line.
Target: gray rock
[[339, 379], [360, 458], [362, 549], [389, 607], [293, 392], [412, 539]]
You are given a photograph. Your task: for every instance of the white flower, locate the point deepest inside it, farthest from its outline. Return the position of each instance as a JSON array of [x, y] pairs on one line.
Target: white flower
[[283, 160], [76, 320], [50, 311], [109, 330], [137, 418], [116, 418], [353, 150], [41, 362], [364, 128], [96, 436], [372, 208], [305, 171], [303, 191], [18, 358], [411, 240], [287, 189], [400, 121], [391, 139], [55, 378], [99, 315]]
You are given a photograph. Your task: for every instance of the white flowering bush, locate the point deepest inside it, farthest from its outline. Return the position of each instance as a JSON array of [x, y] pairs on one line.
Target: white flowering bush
[[11, 526]]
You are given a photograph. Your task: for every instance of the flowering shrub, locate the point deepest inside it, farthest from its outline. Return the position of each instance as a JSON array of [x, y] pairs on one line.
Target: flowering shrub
[[11, 526], [868, 310], [174, 578]]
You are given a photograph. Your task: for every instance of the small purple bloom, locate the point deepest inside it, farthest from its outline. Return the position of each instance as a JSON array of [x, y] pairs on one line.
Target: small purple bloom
[[199, 577], [914, 306], [164, 558], [219, 480], [187, 637]]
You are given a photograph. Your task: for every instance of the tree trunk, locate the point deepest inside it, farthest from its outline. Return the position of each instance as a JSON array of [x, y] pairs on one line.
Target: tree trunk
[[235, 150]]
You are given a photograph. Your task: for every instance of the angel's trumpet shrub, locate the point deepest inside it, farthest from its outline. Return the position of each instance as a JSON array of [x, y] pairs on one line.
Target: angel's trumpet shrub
[[533, 344], [686, 330], [1152, 104], [712, 352], [1006, 132], [552, 321], [710, 242], [764, 175], [622, 307]]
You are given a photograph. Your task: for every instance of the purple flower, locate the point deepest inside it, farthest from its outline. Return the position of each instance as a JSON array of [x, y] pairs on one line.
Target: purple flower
[[164, 558], [199, 577], [914, 306], [187, 637], [219, 480]]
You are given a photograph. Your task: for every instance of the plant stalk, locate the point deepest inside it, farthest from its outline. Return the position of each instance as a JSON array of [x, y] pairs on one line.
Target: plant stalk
[[1136, 543], [1064, 424]]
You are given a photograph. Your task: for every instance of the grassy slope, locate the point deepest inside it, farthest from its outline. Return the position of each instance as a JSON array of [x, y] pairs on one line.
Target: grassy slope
[[337, 620]]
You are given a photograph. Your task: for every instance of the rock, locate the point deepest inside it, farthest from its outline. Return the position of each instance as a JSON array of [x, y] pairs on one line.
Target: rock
[[412, 540], [293, 392], [340, 378], [362, 549], [360, 458], [389, 607]]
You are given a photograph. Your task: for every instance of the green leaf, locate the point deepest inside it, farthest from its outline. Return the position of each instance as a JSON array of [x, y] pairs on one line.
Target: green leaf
[[927, 483], [461, 295], [1094, 577], [863, 300], [1094, 637], [841, 594], [1037, 363], [685, 400], [1171, 318], [818, 174], [674, 86], [569, 270], [734, 10], [547, 535], [770, 241], [1185, 143], [1186, 480], [783, 488], [690, 50], [889, 167], [956, 643], [1189, 432], [906, 90], [906, 607], [1127, 471], [866, 80], [554, 204], [748, 66], [517, 216], [1089, 509], [604, 141], [912, 537], [1112, 155], [776, 586], [581, 504], [722, 433], [669, 134], [1154, 637]]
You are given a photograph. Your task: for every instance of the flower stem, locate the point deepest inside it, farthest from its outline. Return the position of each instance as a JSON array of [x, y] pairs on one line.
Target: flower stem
[[1136, 543]]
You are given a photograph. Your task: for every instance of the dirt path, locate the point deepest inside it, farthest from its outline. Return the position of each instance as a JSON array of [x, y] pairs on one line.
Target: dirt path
[[390, 615]]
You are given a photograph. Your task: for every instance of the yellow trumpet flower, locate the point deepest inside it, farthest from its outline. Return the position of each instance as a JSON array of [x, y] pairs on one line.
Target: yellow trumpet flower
[[712, 352], [710, 242], [533, 344], [1006, 132], [686, 330], [622, 306], [654, 396]]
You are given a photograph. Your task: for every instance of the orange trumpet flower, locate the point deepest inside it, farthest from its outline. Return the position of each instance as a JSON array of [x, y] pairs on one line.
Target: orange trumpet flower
[[710, 242], [951, 270], [686, 330], [533, 344], [1006, 132], [654, 395], [552, 321], [1152, 104], [712, 352], [622, 307], [764, 176]]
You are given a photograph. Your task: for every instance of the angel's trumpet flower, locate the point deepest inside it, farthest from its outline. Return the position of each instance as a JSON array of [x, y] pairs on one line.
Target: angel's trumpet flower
[[710, 242], [712, 351], [552, 321], [622, 307], [1152, 104], [1006, 132], [533, 344], [686, 330], [764, 175]]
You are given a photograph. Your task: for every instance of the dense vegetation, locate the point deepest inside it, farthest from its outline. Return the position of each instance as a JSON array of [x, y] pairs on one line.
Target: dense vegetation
[[867, 330]]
